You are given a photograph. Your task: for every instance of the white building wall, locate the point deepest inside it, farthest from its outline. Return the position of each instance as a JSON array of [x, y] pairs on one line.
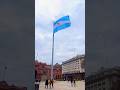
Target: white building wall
[[73, 66]]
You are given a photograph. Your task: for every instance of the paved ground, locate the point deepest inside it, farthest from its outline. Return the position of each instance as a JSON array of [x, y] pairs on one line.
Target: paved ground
[[64, 85]]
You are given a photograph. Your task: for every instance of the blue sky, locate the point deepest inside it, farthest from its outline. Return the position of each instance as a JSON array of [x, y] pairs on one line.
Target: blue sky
[[68, 42]]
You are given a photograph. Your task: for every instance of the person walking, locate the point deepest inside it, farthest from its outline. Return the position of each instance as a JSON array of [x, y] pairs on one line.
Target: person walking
[[71, 82], [46, 83], [74, 82], [52, 83], [37, 85]]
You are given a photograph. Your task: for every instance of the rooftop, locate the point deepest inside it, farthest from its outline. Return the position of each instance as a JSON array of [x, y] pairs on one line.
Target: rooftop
[[74, 58]]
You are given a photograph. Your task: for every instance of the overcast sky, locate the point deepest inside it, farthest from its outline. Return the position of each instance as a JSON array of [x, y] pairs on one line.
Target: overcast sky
[[68, 42]]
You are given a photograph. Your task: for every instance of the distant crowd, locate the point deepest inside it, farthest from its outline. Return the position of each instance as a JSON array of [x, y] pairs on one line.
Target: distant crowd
[[50, 83]]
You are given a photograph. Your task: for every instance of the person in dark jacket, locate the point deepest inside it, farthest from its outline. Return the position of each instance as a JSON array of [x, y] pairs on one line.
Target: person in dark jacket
[[71, 81], [37, 85], [52, 83], [46, 83], [74, 82]]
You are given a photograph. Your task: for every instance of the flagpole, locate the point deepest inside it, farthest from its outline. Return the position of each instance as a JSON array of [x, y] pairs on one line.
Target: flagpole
[[52, 56], [58, 27]]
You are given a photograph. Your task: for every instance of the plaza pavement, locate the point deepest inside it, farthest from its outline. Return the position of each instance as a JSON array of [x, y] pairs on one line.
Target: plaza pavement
[[64, 85]]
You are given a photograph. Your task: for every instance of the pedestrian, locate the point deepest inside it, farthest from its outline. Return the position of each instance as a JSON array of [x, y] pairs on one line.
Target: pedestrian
[[74, 82], [46, 83], [71, 82], [52, 83], [37, 85]]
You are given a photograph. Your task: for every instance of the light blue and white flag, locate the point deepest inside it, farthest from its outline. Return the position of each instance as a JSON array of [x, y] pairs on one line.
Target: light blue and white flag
[[62, 23]]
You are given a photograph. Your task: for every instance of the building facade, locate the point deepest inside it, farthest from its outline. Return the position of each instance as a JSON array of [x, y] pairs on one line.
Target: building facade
[[105, 79], [43, 71], [57, 71], [74, 68]]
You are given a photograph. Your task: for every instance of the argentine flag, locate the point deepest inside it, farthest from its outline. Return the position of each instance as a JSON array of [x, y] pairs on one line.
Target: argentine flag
[[62, 23]]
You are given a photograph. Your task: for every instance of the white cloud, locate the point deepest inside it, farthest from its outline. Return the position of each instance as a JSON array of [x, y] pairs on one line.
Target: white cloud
[[68, 42]]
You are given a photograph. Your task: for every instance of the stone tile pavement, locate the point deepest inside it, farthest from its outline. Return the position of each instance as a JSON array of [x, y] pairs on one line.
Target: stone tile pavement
[[64, 85]]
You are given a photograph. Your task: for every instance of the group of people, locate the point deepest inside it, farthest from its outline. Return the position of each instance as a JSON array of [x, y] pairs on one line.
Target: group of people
[[73, 82], [49, 83]]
